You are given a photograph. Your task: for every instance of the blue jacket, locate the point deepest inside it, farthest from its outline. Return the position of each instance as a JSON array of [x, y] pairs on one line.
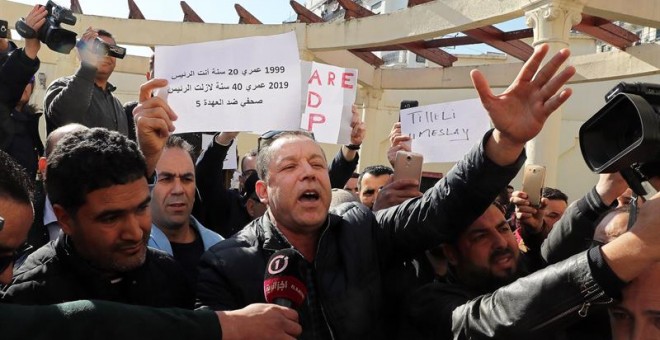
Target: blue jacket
[[159, 241]]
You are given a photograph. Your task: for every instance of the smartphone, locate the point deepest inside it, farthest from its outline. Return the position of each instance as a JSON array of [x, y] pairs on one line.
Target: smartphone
[[406, 104], [4, 29], [408, 165], [533, 180]]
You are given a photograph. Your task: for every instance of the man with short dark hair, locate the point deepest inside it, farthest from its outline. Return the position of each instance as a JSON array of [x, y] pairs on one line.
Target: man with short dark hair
[[86, 97], [555, 206], [174, 230], [99, 319], [346, 251], [97, 185], [370, 181], [352, 184]]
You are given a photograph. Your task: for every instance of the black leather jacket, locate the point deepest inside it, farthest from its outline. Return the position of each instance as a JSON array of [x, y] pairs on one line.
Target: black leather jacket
[[541, 305], [535, 306], [56, 273], [356, 248]]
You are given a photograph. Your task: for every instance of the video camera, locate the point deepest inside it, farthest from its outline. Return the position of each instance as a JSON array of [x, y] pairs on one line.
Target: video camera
[[624, 135], [101, 48], [56, 38]]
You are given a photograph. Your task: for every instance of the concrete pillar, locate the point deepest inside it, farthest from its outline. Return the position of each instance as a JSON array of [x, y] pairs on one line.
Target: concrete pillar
[[372, 116], [552, 21]]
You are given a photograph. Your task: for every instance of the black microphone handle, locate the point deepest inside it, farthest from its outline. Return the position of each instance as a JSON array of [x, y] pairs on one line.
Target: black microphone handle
[[283, 302]]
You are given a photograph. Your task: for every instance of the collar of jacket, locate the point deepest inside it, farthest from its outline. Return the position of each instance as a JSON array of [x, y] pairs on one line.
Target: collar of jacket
[[68, 254], [108, 87], [274, 240]]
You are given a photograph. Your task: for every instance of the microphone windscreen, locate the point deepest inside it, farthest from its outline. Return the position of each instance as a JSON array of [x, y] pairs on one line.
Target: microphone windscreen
[[283, 278]]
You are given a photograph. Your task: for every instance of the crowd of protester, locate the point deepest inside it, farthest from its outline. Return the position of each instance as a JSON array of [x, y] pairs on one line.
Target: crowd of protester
[[119, 228]]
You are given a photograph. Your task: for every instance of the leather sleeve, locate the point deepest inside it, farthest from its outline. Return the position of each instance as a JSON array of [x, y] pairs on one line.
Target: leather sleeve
[[214, 197], [448, 207], [340, 170], [106, 320], [545, 301], [574, 230]]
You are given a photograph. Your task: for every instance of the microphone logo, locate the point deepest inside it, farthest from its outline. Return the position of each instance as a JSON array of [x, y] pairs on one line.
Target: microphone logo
[[278, 264]]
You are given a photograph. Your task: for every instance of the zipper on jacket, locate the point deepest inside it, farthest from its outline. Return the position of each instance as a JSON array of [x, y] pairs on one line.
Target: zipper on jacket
[[582, 308]]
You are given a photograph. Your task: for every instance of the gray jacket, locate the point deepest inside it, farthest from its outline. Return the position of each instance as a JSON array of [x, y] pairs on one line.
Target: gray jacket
[[77, 99]]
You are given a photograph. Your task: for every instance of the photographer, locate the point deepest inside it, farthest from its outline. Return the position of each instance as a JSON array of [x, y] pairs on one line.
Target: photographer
[[19, 123], [86, 97]]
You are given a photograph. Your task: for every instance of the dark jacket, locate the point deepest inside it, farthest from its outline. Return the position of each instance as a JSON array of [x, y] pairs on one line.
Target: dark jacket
[[222, 210], [77, 99], [15, 74], [537, 306], [355, 248], [448, 310], [99, 320], [56, 273]]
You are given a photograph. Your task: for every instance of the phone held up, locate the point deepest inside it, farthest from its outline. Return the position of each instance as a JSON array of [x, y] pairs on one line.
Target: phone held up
[[533, 180], [408, 165]]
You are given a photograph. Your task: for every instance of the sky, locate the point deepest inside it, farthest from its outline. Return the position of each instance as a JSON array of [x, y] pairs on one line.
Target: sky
[[222, 11]]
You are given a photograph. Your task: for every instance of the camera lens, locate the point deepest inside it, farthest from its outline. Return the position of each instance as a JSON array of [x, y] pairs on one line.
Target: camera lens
[[409, 158]]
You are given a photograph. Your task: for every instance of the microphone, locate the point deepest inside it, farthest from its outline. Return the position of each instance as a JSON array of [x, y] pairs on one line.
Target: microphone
[[283, 284]]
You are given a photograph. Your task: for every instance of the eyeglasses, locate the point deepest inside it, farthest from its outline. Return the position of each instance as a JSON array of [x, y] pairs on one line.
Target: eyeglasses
[[269, 136]]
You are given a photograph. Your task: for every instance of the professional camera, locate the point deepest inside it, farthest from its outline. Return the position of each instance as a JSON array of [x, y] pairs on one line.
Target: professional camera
[[624, 135], [101, 48], [51, 34]]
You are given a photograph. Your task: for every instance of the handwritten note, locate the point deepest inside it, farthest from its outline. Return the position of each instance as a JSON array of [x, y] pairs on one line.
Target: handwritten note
[[248, 84], [445, 132], [330, 94], [230, 160]]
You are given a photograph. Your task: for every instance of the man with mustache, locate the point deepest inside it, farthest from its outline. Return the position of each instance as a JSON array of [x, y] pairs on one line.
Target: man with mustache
[[346, 251], [98, 188], [175, 231]]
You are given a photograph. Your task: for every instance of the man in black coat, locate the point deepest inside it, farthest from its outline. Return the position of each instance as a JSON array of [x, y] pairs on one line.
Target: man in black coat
[[97, 185], [347, 251]]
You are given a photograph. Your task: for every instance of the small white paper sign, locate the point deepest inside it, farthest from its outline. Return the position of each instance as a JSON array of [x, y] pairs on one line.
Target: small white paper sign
[[233, 85], [330, 95], [445, 132], [230, 159]]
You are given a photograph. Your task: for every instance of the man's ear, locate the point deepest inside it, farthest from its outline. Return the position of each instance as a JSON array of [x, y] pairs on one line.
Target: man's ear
[[63, 218], [261, 189], [451, 253]]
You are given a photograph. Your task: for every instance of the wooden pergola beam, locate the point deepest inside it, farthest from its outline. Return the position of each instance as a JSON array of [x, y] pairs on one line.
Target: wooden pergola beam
[[189, 14], [307, 16], [75, 7], [134, 11], [493, 36], [245, 17], [606, 31], [438, 56]]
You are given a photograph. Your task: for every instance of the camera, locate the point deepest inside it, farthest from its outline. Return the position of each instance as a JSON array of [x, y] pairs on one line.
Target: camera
[[56, 38], [624, 135], [101, 48], [4, 29]]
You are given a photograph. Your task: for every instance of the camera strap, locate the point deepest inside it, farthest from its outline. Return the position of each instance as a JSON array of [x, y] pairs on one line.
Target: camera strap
[[25, 30]]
